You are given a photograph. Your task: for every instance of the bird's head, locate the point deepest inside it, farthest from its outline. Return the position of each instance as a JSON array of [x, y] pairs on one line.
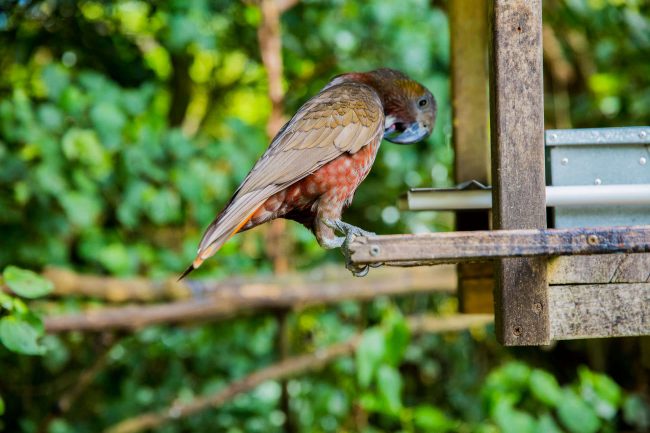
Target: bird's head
[[409, 107]]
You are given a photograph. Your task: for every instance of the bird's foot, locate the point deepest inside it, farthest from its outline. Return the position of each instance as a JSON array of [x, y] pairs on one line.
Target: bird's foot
[[350, 232]]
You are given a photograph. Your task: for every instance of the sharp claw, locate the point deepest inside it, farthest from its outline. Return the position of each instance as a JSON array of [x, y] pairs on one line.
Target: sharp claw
[[359, 272], [350, 232]]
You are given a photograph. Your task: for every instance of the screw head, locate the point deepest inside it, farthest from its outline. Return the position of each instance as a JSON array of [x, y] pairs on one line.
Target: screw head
[[564, 161], [537, 307], [593, 240], [598, 181], [517, 330], [642, 160], [374, 250], [642, 134]]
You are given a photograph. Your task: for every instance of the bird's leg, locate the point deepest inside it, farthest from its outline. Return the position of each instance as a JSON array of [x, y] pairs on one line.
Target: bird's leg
[[350, 233]]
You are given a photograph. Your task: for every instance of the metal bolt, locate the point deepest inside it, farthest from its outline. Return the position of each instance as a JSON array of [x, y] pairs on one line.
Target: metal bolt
[[642, 160], [642, 134], [517, 330], [553, 137], [597, 181], [593, 240], [374, 250], [537, 308], [565, 161]]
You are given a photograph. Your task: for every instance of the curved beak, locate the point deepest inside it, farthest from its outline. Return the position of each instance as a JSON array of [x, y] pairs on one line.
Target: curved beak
[[396, 133]]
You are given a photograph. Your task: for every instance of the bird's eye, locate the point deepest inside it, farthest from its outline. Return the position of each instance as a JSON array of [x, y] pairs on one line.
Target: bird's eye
[[422, 102]]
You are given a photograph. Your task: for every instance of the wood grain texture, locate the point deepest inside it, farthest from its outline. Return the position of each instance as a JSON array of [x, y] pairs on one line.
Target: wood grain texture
[[453, 247], [609, 268], [518, 194], [476, 288], [469, 82], [477, 295], [599, 310]]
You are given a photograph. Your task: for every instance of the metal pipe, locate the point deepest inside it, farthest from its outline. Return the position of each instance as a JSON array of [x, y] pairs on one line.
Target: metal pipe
[[556, 196]]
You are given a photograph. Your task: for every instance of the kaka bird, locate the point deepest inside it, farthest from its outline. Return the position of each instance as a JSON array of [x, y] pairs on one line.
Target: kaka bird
[[313, 166]]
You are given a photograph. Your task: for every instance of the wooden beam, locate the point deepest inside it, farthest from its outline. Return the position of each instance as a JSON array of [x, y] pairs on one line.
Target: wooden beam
[[469, 83], [453, 247], [609, 268], [315, 282], [599, 310], [517, 129], [229, 301]]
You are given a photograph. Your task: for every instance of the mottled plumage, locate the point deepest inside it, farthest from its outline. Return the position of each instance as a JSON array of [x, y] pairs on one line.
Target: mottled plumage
[[313, 166]]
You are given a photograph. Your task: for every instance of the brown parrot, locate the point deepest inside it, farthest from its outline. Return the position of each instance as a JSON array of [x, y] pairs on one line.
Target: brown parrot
[[313, 166]]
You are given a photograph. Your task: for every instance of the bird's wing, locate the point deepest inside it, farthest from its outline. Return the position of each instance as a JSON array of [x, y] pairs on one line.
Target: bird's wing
[[340, 119]]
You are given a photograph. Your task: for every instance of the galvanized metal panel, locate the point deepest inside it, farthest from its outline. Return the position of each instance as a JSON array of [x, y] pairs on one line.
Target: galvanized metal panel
[[599, 156], [598, 136]]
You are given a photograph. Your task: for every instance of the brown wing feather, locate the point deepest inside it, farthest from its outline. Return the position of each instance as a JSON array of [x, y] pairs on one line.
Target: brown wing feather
[[341, 118]]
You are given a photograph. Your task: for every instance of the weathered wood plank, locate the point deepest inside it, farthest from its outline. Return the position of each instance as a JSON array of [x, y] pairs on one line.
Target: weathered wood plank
[[599, 310], [469, 83], [476, 287], [477, 295], [518, 194], [436, 248], [614, 268]]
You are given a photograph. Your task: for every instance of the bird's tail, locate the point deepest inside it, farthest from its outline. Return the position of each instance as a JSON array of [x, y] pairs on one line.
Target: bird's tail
[[216, 238]]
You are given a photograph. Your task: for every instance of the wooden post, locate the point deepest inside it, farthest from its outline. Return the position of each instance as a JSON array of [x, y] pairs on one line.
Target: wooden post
[[517, 137], [469, 82]]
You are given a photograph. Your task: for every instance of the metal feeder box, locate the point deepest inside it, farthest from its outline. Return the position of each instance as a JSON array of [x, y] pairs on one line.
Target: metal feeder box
[[600, 157]]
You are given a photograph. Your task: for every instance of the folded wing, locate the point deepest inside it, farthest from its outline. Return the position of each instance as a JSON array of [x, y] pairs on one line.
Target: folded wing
[[341, 118]]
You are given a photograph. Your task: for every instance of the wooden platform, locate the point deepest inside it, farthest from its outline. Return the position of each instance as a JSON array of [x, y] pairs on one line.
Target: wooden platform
[[591, 292]]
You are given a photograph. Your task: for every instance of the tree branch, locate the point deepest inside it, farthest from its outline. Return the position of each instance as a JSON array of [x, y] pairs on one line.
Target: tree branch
[[288, 368], [223, 300]]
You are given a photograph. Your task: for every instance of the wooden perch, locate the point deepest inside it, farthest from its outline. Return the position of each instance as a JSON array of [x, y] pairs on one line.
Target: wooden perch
[[436, 248], [288, 368], [226, 300], [69, 283]]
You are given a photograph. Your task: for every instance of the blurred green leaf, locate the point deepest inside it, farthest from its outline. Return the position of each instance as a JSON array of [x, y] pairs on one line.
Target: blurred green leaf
[[6, 301], [432, 419], [545, 388], [636, 412], [26, 283], [511, 420], [56, 79], [389, 384], [82, 210], [108, 120], [73, 101], [369, 355], [602, 392], [397, 337], [20, 336], [576, 415], [546, 424], [115, 257], [50, 117]]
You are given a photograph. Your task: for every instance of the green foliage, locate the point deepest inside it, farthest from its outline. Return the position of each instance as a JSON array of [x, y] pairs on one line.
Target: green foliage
[[519, 398], [21, 335], [21, 329], [379, 353], [26, 283]]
